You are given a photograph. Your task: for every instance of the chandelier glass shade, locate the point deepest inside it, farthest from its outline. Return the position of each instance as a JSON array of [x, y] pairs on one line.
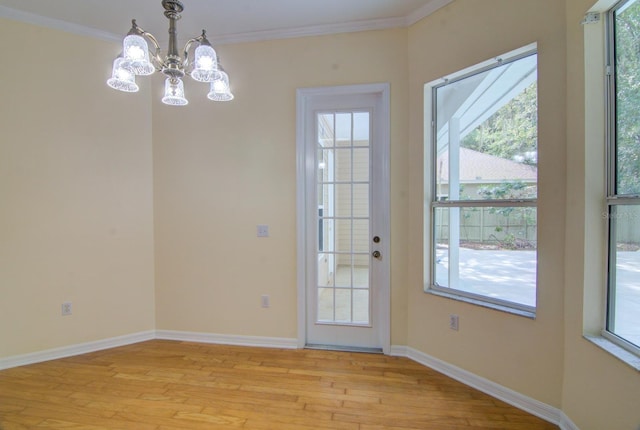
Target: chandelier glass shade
[[201, 63], [220, 91], [174, 92], [122, 78]]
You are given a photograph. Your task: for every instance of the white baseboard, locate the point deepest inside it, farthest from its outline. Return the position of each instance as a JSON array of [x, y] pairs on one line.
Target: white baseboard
[[71, 350], [399, 351], [225, 339], [566, 423], [84, 348], [507, 395]]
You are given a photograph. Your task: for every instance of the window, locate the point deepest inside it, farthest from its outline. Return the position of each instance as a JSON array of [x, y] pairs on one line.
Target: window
[[623, 175], [481, 183]]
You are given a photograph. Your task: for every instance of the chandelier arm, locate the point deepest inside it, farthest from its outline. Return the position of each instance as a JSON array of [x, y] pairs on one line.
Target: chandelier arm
[[187, 46], [156, 57]]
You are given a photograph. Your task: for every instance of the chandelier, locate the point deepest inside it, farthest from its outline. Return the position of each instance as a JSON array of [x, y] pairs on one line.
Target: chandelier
[[202, 66]]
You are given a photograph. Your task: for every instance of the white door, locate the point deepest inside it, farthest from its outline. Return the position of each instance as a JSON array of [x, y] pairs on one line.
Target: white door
[[343, 225]]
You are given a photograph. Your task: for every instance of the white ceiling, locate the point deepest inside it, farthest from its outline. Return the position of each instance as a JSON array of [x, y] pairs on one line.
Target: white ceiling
[[225, 20]]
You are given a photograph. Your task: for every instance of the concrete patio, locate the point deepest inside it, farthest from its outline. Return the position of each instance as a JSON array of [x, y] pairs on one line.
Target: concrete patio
[[511, 275]]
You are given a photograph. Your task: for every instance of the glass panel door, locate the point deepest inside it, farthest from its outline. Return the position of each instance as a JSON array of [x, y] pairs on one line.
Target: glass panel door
[[343, 239], [343, 201]]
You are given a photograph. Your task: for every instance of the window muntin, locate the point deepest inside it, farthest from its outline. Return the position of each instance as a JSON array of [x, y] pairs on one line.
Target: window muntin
[[623, 173], [484, 179]]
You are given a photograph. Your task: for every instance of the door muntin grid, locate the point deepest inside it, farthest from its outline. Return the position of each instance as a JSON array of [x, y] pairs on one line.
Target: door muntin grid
[[343, 163]]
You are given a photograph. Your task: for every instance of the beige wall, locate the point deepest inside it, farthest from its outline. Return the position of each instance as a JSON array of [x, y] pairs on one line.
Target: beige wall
[[236, 168], [76, 220], [520, 353], [84, 213]]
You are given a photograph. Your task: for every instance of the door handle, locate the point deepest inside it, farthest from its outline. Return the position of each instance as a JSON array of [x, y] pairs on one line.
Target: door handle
[[376, 254]]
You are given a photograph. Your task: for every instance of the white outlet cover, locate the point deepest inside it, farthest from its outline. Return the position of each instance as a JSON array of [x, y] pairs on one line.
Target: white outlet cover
[[262, 230], [67, 308], [453, 322]]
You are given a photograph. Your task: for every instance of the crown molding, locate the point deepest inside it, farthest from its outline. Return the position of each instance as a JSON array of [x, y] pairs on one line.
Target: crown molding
[[425, 11], [312, 30], [56, 24], [252, 36]]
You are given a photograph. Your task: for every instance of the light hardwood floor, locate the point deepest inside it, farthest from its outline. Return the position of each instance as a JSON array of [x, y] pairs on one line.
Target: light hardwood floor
[[182, 385]]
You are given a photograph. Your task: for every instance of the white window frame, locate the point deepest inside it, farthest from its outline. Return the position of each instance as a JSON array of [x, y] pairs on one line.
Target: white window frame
[[612, 199], [430, 195]]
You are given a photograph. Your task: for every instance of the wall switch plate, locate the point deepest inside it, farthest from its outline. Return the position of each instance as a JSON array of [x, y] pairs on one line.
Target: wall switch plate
[[262, 230], [264, 301], [453, 322], [67, 308]]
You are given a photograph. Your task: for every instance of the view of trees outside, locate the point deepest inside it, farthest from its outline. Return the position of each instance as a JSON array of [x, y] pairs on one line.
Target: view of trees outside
[[512, 132], [623, 300], [488, 248], [627, 56]]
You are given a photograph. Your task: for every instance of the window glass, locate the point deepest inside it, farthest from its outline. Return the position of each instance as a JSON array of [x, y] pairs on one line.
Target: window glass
[[485, 163], [624, 314], [627, 74], [494, 131], [623, 199]]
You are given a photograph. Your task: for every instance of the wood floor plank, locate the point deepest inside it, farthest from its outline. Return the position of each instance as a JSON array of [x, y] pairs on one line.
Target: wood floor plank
[[19, 421], [167, 385]]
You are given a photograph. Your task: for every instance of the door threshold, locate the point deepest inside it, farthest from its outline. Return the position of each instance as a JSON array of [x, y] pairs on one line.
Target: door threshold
[[342, 348]]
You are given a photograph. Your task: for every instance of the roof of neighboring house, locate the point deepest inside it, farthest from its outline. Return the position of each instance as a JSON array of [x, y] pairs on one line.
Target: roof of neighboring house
[[480, 167]]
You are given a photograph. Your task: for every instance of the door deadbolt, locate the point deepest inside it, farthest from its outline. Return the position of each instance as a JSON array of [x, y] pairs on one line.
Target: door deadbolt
[[376, 254], [376, 239]]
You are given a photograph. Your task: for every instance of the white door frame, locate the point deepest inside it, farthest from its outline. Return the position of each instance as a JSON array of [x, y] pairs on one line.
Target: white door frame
[[305, 161]]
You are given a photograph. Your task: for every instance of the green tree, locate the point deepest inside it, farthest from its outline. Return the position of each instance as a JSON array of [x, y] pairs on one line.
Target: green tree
[[511, 132], [627, 78], [524, 217]]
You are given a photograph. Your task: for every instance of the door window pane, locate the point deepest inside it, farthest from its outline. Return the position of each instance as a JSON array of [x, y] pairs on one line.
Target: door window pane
[[343, 129], [343, 165], [361, 200], [361, 127], [343, 305], [361, 164], [325, 304], [326, 242], [361, 235], [343, 200], [361, 306]]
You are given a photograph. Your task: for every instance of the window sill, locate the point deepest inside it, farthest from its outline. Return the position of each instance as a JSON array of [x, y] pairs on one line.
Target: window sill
[[478, 302], [620, 353]]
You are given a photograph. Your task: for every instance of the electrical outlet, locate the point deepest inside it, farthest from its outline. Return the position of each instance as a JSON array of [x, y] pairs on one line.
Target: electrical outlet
[[453, 322], [265, 301], [67, 308], [262, 230]]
